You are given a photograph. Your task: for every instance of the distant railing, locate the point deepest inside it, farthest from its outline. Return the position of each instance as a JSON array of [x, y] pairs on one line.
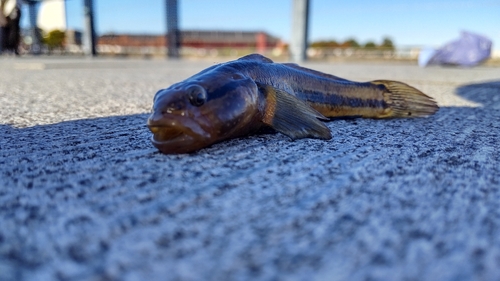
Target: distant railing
[[116, 50], [404, 53], [410, 52]]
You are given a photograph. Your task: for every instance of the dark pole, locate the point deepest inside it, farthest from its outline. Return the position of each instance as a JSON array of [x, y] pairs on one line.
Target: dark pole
[[173, 33], [89, 28], [35, 37], [300, 23]]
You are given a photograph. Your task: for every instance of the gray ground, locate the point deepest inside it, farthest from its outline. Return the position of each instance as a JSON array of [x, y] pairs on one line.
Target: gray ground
[[85, 196]]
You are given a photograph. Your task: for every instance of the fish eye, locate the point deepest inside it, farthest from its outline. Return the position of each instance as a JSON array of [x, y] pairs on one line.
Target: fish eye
[[197, 95]]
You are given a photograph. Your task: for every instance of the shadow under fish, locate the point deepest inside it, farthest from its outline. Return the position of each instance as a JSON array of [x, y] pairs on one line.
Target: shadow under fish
[[241, 97]]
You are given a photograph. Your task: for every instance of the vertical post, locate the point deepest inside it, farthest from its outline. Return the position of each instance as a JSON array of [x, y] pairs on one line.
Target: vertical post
[[173, 34], [36, 48], [89, 40], [261, 42], [300, 22]]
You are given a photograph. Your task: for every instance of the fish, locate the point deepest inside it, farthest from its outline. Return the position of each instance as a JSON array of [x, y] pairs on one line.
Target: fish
[[244, 96]]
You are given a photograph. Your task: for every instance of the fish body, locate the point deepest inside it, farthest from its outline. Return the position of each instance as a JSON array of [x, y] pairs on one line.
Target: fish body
[[239, 97]]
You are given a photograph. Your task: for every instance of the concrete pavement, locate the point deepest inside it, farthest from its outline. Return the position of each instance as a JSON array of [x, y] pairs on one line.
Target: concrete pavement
[[85, 196]]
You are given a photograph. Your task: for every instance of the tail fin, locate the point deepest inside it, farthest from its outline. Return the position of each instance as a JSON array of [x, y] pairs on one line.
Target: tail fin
[[406, 101]]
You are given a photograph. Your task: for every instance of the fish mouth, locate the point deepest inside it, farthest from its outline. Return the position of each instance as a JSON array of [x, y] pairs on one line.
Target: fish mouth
[[165, 135], [176, 139], [171, 141]]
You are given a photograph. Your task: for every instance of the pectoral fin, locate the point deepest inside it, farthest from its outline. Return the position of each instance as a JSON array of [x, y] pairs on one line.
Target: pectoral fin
[[293, 117]]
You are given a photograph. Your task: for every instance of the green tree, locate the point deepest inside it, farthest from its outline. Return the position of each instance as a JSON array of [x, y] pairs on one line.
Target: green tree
[[387, 44], [350, 43], [325, 44], [370, 45], [54, 39]]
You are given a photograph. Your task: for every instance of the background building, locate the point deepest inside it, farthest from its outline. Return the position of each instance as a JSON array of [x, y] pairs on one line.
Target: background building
[[193, 42]]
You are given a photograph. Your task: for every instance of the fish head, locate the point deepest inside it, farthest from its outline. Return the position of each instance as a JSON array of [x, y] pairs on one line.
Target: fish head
[[202, 110]]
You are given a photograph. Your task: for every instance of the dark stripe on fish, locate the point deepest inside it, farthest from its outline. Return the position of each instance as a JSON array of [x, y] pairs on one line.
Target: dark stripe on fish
[[339, 100]]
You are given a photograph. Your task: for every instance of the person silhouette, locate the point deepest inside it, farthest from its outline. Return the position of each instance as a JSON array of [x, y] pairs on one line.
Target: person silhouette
[[10, 18]]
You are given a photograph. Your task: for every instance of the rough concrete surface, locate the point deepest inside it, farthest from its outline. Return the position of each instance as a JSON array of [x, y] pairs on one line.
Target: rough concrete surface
[[85, 196]]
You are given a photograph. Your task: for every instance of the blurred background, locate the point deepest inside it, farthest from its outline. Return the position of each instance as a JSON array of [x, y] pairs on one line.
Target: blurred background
[[362, 29]]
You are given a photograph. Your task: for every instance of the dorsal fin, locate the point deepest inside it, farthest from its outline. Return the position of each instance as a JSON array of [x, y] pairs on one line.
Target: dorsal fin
[[290, 116], [314, 72], [256, 57]]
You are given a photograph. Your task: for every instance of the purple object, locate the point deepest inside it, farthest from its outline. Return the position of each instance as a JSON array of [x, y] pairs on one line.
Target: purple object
[[469, 50]]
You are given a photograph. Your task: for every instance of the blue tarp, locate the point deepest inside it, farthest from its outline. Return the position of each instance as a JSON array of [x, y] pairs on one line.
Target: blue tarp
[[469, 50]]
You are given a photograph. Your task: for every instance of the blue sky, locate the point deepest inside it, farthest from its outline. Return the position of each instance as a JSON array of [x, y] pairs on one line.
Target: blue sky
[[407, 23]]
